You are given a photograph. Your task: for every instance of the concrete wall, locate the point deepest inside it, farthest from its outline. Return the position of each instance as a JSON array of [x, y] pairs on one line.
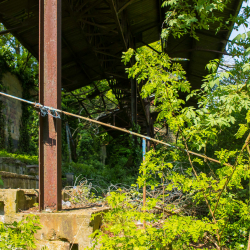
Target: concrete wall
[[12, 180], [16, 174], [59, 229], [13, 201], [12, 165], [13, 108]]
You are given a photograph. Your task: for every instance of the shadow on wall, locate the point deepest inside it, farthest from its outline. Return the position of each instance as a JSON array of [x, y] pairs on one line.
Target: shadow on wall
[[12, 108]]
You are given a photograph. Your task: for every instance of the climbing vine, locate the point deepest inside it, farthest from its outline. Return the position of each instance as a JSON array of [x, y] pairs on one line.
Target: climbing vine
[[191, 202], [3, 69], [2, 125], [21, 64], [20, 235]]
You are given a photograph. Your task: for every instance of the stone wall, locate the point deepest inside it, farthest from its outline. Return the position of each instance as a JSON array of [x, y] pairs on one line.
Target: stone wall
[[16, 174], [13, 201], [12, 165], [12, 108], [12, 180]]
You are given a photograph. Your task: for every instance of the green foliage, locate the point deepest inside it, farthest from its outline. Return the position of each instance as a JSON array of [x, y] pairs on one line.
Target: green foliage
[[18, 59], [3, 67], [119, 166], [14, 58], [218, 127], [24, 139], [164, 79], [2, 125], [123, 156], [32, 128], [1, 182], [87, 138], [25, 158], [185, 17], [19, 235], [88, 146], [122, 227], [10, 145], [225, 223]]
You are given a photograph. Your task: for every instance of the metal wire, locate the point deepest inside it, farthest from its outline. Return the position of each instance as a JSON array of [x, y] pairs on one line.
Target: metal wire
[[47, 110]]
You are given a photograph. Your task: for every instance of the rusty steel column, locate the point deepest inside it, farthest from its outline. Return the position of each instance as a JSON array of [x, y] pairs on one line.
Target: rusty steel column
[[50, 183], [41, 100]]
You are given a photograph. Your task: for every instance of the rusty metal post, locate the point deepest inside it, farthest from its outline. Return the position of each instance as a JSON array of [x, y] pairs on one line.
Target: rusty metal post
[[50, 183], [41, 100]]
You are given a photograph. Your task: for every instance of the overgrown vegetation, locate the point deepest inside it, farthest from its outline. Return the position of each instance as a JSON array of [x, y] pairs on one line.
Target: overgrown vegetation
[[210, 208], [15, 59], [191, 201], [25, 158], [119, 166], [19, 235], [87, 139]]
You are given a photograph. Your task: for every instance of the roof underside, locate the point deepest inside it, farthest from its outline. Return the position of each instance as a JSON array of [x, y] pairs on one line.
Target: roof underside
[[94, 37], [91, 37]]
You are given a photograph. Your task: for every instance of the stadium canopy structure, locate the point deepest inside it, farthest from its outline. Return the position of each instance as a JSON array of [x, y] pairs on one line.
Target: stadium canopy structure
[[81, 41]]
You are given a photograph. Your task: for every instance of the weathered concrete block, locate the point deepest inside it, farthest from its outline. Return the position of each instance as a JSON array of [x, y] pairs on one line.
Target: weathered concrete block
[[12, 165], [13, 180], [13, 110], [71, 226], [15, 200], [12, 169], [5, 167], [52, 245], [59, 229], [32, 169]]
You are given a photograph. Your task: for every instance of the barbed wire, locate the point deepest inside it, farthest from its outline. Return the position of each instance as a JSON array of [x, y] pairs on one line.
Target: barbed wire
[[86, 194]]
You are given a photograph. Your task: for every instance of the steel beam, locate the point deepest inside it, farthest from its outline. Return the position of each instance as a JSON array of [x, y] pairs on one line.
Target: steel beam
[[4, 32], [134, 101], [41, 100], [118, 24], [124, 6], [50, 183]]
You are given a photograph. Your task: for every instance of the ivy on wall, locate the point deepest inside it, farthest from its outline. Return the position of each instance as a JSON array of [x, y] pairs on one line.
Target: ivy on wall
[[28, 83], [24, 139], [3, 70], [2, 121]]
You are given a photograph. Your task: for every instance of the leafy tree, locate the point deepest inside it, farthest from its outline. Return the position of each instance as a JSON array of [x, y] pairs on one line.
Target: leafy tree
[[217, 128], [19, 235]]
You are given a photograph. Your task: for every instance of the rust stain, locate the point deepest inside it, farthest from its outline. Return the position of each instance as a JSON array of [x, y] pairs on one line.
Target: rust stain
[[50, 95]]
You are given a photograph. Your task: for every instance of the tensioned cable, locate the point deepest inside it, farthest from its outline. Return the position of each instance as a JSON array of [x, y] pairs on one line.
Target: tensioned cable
[[47, 110]]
